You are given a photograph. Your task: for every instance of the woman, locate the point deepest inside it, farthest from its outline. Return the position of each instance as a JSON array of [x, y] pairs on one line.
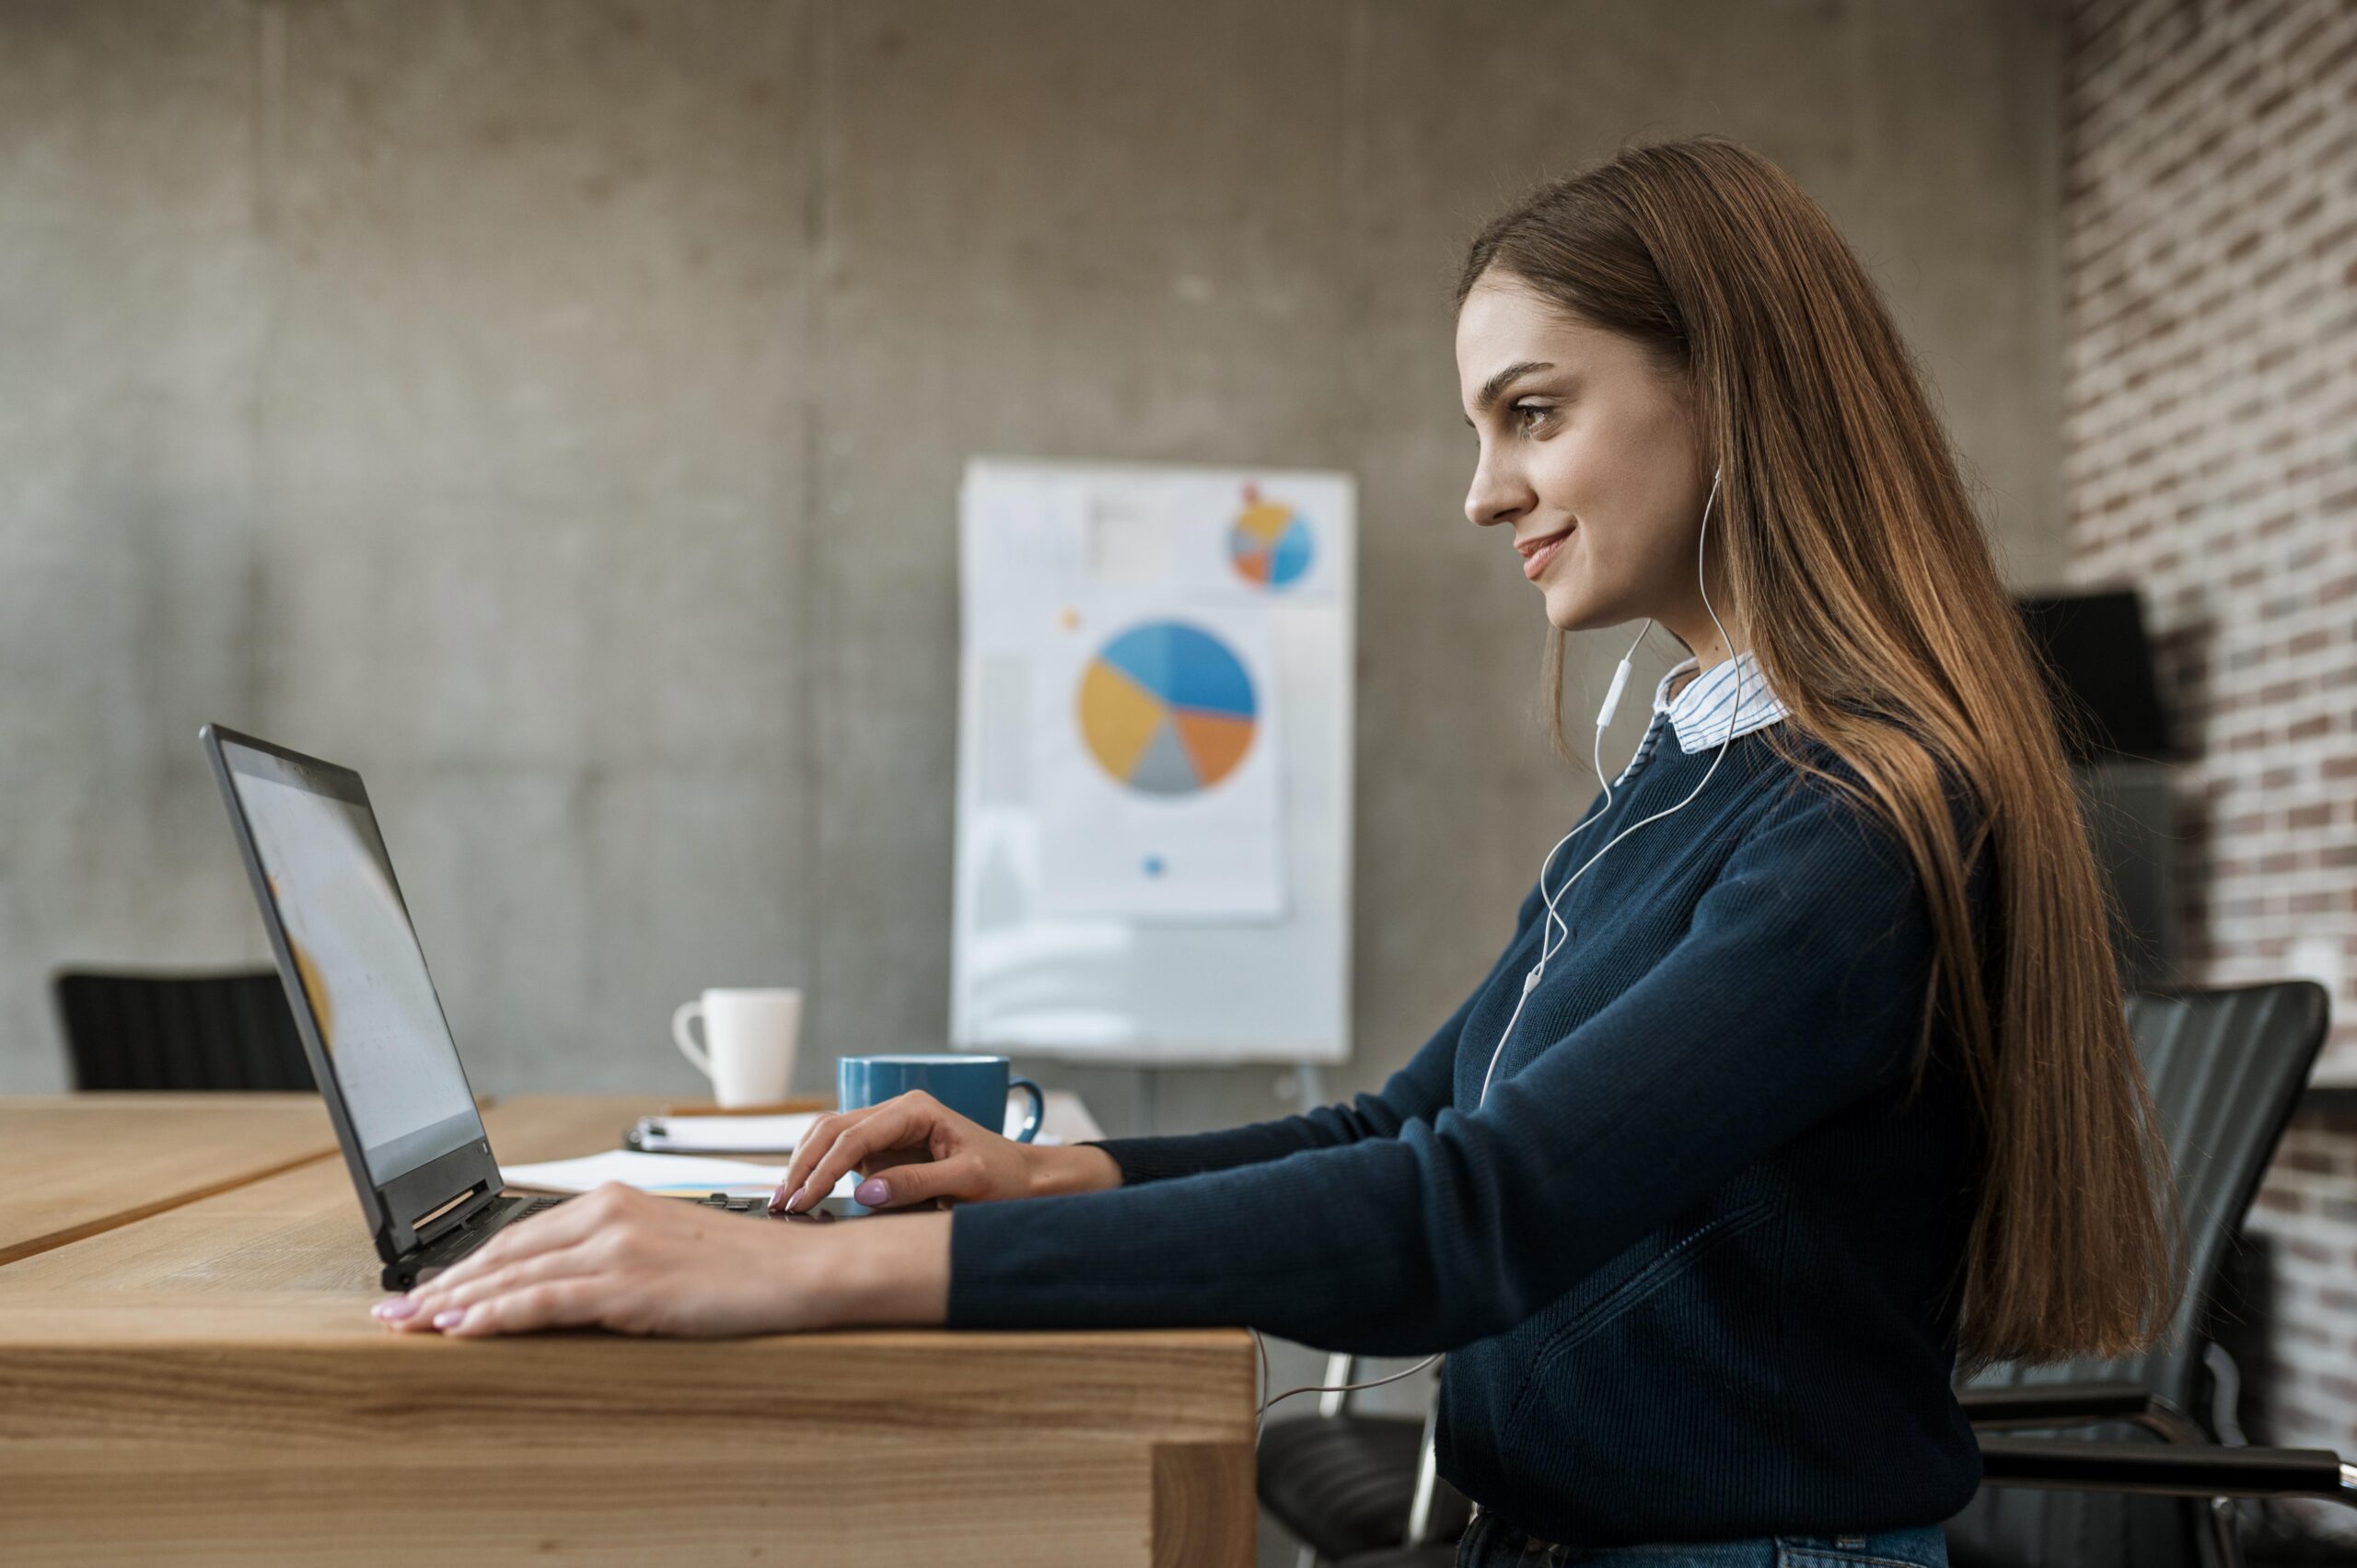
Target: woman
[[1811, 1086]]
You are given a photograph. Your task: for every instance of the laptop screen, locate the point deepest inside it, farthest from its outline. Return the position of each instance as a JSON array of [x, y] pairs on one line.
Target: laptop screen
[[361, 968]]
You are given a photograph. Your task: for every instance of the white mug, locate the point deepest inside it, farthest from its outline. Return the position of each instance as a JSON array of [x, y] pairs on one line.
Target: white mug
[[750, 1035]]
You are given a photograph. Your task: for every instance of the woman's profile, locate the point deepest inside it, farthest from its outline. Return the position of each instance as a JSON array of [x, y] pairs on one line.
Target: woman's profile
[[1802, 1083]]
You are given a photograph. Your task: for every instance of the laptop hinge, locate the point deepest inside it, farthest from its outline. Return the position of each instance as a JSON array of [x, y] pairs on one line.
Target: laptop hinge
[[418, 1227]]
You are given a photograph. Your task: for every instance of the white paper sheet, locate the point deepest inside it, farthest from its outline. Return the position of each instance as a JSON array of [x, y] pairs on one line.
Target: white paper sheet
[[672, 1175], [1065, 1118]]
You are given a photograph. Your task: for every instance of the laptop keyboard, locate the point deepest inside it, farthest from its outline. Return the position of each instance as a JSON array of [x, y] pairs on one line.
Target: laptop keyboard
[[463, 1241], [758, 1207], [448, 1249]]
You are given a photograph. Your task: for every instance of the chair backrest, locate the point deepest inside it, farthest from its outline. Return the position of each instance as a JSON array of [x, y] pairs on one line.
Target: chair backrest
[[2226, 1069], [179, 1031]]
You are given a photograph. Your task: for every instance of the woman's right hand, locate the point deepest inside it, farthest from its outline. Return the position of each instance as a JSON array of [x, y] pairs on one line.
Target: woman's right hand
[[912, 1148]]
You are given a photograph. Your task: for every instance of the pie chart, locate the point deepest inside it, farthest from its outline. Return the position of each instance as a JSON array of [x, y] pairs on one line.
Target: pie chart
[[1168, 708], [1270, 542]]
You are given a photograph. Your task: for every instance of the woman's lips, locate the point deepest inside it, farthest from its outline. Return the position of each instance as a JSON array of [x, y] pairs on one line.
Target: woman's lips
[[1535, 562]]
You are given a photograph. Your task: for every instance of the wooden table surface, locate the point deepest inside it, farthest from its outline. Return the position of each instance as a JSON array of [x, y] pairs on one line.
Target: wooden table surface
[[74, 1165], [204, 1384]]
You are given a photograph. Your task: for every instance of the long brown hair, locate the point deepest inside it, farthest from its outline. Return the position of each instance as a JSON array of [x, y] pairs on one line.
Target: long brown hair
[[1874, 609]]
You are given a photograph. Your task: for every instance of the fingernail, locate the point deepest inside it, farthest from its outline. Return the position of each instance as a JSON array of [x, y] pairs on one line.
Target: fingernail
[[450, 1319], [396, 1310], [795, 1203], [875, 1192]]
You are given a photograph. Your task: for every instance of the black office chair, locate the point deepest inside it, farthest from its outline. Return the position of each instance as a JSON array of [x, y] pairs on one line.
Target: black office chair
[[2225, 1066], [2146, 1481], [1345, 1483], [179, 1031]]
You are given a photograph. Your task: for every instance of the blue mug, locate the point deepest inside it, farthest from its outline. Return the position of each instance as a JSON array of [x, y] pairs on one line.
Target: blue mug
[[974, 1086]]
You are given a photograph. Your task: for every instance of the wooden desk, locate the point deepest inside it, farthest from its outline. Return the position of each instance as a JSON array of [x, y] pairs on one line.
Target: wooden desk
[[204, 1385], [71, 1165]]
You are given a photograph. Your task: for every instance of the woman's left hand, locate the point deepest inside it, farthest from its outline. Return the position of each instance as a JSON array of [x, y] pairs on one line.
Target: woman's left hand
[[625, 1259]]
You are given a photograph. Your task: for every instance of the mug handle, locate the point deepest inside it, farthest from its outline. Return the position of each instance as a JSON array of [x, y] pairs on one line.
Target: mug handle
[[684, 1038], [1030, 1128]]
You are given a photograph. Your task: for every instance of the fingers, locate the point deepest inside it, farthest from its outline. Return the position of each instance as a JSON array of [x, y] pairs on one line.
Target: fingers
[[905, 1118], [553, 1304], [543, 1235], [560, 1226], [654, 1265], [815, 1143], [895, 1123], [434, 1303], [960, 1176]]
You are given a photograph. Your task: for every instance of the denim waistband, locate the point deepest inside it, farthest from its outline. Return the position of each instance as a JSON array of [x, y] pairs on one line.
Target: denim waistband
[[1492, 1542]]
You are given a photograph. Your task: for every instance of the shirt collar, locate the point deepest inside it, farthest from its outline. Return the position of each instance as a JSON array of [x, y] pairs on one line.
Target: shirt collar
[[1699, 712]]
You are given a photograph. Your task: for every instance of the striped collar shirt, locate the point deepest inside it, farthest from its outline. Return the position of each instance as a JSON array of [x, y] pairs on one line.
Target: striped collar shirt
[[1701, 712]]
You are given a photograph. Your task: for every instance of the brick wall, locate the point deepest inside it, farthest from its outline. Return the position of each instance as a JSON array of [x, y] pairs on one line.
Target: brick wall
[[2210, 390]]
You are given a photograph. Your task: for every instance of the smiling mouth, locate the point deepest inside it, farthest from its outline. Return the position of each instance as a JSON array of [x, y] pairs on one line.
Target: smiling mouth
[[1537, 552]]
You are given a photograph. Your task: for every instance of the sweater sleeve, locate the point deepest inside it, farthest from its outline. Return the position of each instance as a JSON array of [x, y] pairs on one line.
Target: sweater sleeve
[[1415, 1093], [1796, 990]]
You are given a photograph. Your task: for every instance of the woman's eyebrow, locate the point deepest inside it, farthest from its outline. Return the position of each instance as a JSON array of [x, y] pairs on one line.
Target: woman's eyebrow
[[1495, 387]]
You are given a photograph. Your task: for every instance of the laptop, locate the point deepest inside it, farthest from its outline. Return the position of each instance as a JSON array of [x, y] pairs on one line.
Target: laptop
[[371, 1024]]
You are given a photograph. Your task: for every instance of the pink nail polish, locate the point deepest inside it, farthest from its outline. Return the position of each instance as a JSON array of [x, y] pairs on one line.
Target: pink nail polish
[[450, 1318], [795, 1203], [875, 1192], [395, 1310]]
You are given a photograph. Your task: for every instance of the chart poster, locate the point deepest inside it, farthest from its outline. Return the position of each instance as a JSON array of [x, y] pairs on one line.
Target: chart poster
[[1156, 759]]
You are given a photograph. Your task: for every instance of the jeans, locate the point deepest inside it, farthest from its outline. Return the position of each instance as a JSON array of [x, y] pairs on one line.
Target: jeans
[[1491, 1542]]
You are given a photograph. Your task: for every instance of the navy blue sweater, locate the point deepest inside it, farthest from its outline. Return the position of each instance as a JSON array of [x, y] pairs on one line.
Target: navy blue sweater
[[1696, 1262]]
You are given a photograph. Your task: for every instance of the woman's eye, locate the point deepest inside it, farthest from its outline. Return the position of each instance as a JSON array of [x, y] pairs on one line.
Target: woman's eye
[[1528, 417]]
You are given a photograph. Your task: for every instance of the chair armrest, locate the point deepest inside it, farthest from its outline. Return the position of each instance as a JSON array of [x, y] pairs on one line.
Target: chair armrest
[[2058, 1404], [2167, 1470]]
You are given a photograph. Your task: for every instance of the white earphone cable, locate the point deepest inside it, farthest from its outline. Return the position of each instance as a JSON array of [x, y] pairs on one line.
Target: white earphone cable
[[1548, 947], [1261, 1414], [1549, 944]]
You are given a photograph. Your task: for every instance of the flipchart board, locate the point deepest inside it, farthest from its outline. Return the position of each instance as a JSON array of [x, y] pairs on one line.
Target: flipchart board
[[1154, 764]]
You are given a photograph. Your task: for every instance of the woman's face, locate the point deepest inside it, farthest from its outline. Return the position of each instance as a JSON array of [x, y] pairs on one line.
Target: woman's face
[[1589, 456]]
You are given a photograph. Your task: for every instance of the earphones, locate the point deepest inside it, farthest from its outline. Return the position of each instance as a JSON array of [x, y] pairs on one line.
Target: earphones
[[1549, 944]]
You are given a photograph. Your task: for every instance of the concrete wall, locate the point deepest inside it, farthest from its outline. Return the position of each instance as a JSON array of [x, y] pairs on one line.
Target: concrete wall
[[556, 408]]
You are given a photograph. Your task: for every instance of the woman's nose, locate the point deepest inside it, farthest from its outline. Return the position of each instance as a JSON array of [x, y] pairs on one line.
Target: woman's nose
[[1494, 497]]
